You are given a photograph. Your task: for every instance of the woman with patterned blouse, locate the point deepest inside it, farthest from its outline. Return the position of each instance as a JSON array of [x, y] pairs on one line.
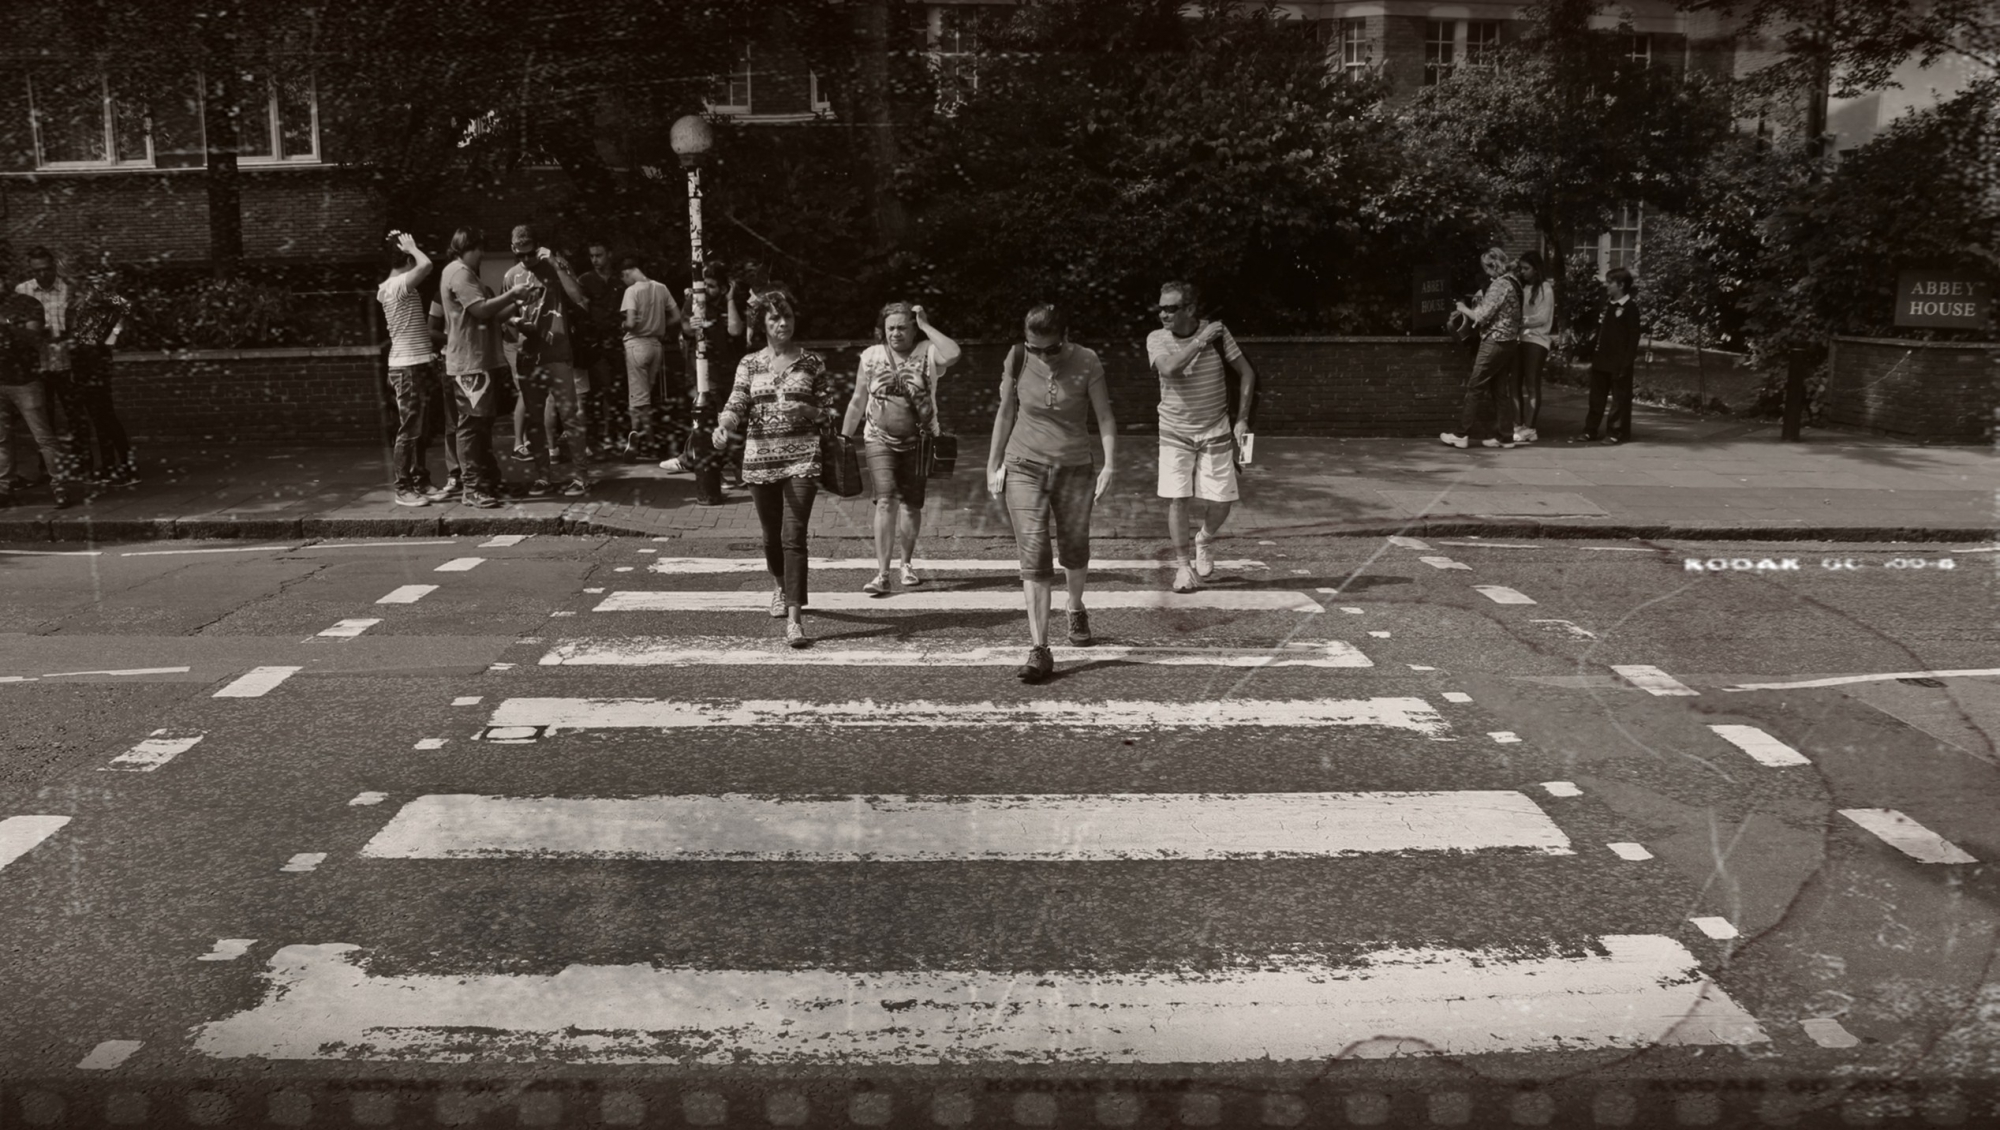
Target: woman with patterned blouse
[[1489, 390], [782, 403], [895, 391]]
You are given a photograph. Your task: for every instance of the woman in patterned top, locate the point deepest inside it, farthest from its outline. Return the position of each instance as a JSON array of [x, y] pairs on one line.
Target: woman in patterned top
[[782, 403], [1491, 385], [895, 391]]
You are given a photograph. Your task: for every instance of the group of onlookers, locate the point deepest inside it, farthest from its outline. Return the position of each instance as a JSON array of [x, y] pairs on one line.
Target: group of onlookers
[[1515, 320], [56, 343]]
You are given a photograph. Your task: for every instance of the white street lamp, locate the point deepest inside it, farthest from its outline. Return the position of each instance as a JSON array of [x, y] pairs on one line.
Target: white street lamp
[[691, 140]]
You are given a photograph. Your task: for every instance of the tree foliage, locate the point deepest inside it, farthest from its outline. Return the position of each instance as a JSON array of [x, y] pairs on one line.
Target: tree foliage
[[1857, 45]]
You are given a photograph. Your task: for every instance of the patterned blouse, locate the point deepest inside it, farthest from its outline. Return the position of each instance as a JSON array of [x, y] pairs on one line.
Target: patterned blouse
[[912, 380], [773, 410], [1498, 314]]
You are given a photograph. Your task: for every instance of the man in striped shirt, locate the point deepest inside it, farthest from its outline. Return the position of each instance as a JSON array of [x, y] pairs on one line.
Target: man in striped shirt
[[1198, 443]]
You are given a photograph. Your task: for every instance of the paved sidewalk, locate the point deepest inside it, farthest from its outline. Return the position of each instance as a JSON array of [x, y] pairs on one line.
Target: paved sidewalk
[[1685, 476]]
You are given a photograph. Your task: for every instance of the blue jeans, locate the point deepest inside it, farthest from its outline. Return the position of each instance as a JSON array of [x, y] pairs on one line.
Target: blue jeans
[[31, 399], [785, 509], [1490, 391], [1037, 492], [416, 389]]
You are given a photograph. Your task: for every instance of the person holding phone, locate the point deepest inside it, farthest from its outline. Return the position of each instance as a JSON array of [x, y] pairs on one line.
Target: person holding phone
[[1040, 461]]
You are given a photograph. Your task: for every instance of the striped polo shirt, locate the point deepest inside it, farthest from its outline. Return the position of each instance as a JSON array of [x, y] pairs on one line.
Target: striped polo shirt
[[1196, 403]]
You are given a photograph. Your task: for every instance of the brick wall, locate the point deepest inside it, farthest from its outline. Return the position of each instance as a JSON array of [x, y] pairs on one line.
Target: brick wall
[[313, 396], [1919, 389]]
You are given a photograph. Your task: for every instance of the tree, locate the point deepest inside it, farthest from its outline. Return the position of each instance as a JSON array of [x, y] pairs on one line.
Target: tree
[[1855, 46]]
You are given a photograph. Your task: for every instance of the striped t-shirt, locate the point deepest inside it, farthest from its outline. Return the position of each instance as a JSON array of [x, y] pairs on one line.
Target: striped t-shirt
[[409, 332], [1196, 403]]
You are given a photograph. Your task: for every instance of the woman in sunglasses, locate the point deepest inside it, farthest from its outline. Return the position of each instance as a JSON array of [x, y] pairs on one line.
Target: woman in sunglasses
[[1040, 460]]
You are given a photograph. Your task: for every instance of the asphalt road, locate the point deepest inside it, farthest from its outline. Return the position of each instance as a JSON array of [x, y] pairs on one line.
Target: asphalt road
[[683, 897]]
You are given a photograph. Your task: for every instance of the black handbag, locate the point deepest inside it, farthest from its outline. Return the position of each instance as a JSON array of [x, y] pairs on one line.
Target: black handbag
[[942, 459], [839, 465]]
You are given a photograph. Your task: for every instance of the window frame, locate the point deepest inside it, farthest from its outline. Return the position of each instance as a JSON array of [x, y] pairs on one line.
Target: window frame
[[1639, 48], [274, 126], [1437, 69], [107, 131], [113, 161], [1351, 38], [1478, 53], [747, 73]]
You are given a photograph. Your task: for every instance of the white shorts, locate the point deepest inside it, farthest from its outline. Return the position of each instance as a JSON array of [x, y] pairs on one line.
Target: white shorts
[[1204, 469]]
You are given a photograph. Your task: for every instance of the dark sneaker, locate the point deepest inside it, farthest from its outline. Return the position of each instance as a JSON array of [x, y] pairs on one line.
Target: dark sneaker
[[575, 488], [1039, 666], [480, 500], [1079, 628], [411, 497], [541, 488]]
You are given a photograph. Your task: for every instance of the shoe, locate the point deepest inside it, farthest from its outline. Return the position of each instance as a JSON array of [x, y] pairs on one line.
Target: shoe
[[672, 466], [541, 488], [778, 604], [65, 497], [575, 488], [1038, 667], [1526, 435], [1583, 437], [1184, 579], [452, 488], [1204, 557], [522, 452], [409, 496], [1613, 439], [1079, 628], [909, 578], [795, 634], [878, 586], [1454, 439], [1496, 441], [480, 500]]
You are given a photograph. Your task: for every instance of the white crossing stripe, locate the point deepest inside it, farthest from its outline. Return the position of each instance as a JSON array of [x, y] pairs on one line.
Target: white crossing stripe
[[1409, 543], [695, 651], [1652, 680], [1112, 826], [1762, 747], [1501, 594], [348, 629], [1444, 563], [20, 835], [120, 671], [1717, 928], [1827, 1032], [407, 594], [1504, 737], [109, 1054], [502, 541], [1457, 696], [1907, 836], [953, 600], [153, 752], [367, 800], [524, 718], [1887, 676], [1562, 788], [459, 565], [1634, 852], [467, 700], [228, 949], [1380, 635], [304, 861], [257, 683], [684, 566], [320, 1002], [430, 743]]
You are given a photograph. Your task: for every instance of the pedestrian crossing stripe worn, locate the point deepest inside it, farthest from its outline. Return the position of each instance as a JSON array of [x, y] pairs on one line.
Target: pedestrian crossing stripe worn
[[1096, 827], [524, 719], [1762, 747], [20, 835], [1907, 836], [152, 753], [1636, 991], [257, 682], [685, 651], [687, 566], [959, 600]]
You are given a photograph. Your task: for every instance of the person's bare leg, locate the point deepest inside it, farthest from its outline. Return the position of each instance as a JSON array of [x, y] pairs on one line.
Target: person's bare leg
[[885, 533], [1077, 579], [1211, 521], [1037, 593], [913, 523]]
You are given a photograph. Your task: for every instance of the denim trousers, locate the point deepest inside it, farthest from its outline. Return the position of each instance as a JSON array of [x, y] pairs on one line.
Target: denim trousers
[[1489, 391], [785, 509], [1040, 495], [416, 389]]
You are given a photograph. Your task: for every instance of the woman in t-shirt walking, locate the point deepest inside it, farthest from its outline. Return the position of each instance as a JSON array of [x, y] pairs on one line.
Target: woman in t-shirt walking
[[1040, 460], [895, 391], [783, 402]]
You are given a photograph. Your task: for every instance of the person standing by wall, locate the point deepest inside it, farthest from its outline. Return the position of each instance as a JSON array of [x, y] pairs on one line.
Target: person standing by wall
[[1198, 444], [21, 340], [604, 408], [1489, 388], [544, 368], [99, 315], [895, 402], [473, 361], [1538, 324], [46, 286], [412, 362], [647, 315], [1612, 360]]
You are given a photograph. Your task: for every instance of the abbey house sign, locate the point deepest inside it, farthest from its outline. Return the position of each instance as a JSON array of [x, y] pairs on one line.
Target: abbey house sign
[[1943, 300]]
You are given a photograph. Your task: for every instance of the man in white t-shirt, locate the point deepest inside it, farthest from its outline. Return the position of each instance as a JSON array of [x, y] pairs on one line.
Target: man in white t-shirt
[[1198, 443], [647, 314], [411, 360]]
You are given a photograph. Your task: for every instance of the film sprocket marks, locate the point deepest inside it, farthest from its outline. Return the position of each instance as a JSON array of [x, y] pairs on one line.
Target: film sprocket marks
[[1795, 564]]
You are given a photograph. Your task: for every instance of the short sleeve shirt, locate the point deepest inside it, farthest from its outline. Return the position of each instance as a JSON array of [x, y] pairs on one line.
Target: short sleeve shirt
[[552, 315], [1052, 425], [1195, 404], [649, 301], [470, 346], [409, 332], [913, 378]]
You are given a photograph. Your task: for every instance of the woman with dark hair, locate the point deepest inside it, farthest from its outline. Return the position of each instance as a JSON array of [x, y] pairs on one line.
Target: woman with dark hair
[[1490, 387], [782, 403], [1538, 322], [895, 392], [1040, 462]]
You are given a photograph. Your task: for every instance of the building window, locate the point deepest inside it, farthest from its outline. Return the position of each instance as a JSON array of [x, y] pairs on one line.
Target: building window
[[1639, 49], [1440, 40], [732, 91], [1622, 241], [1482, 40], [277, 119], [1357, 51], [80, 121], [956, 35]]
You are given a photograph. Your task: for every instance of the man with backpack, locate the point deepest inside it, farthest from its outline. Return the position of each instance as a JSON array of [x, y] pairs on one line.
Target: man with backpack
[[1199, 446]]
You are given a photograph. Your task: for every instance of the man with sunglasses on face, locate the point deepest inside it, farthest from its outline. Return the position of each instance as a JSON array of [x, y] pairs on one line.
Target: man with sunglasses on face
[[1198, 444]]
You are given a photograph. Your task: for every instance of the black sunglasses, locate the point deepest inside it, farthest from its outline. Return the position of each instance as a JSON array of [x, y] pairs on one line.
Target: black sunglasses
[[1170, 308], [1043, 350]]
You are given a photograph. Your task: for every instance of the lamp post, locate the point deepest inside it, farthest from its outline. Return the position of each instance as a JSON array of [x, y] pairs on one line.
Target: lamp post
[[691, 139]]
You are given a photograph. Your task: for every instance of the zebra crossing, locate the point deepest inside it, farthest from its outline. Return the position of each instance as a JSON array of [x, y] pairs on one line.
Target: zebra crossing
[[1612, 984]]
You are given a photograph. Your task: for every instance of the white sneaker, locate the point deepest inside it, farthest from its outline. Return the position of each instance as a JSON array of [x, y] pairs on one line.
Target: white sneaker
[[1529, 435], [1454, 439], [877, 586], [1184, 580], [672, 466], [909, 578], [1204, 558], [1520, 435]]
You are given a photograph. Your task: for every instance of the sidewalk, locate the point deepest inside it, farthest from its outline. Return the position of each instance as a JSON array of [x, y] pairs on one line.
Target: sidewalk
[[1684, 476]]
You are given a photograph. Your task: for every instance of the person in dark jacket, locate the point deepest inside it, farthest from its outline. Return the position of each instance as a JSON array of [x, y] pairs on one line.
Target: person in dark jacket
[[1611, 362]]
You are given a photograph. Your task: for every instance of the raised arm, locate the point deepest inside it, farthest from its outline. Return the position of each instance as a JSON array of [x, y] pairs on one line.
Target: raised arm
[[1173, 366], [945, 349]]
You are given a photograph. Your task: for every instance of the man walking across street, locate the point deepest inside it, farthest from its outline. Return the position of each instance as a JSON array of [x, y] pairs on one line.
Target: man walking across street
[[1611, 362], [1198, 443], [473, 361], [648, 314]]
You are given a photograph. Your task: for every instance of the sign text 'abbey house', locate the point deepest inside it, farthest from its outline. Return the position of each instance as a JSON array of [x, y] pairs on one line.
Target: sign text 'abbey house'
[[1943, 300]]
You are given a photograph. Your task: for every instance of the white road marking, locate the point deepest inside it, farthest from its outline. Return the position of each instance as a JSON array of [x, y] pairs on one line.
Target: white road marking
[[367, 800], [460, 565], [1504, 737], [649, 551], [886, 829], [561, 612], [348, 629], [1717, 928], [1444, 563], [702, 652], [228, 949], [1493, 545], [154, 752], [52, 552], [1380, 635], [1562, 788], [1621, 549], [695, 565], [1572, 629], [304, 861], [1652, 680], [257, 683], [177, 552], [621, 568], [529, 639], [121, 671], [430, 743], [1351, 609], [1844, 680], [1409, 543], [1420, 667], [499, 667], [555, 715], [1827, 1032], [20, 678], [1634, 852], [1907, 836], [1764, 748], [1501, 594], [20, 835], [1981, 549], [502, 541], [1642, 990], [109, 1054], [709, 600], [376, 544], [1457, 696], [407, 594], [595, 590], [467, 700]]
